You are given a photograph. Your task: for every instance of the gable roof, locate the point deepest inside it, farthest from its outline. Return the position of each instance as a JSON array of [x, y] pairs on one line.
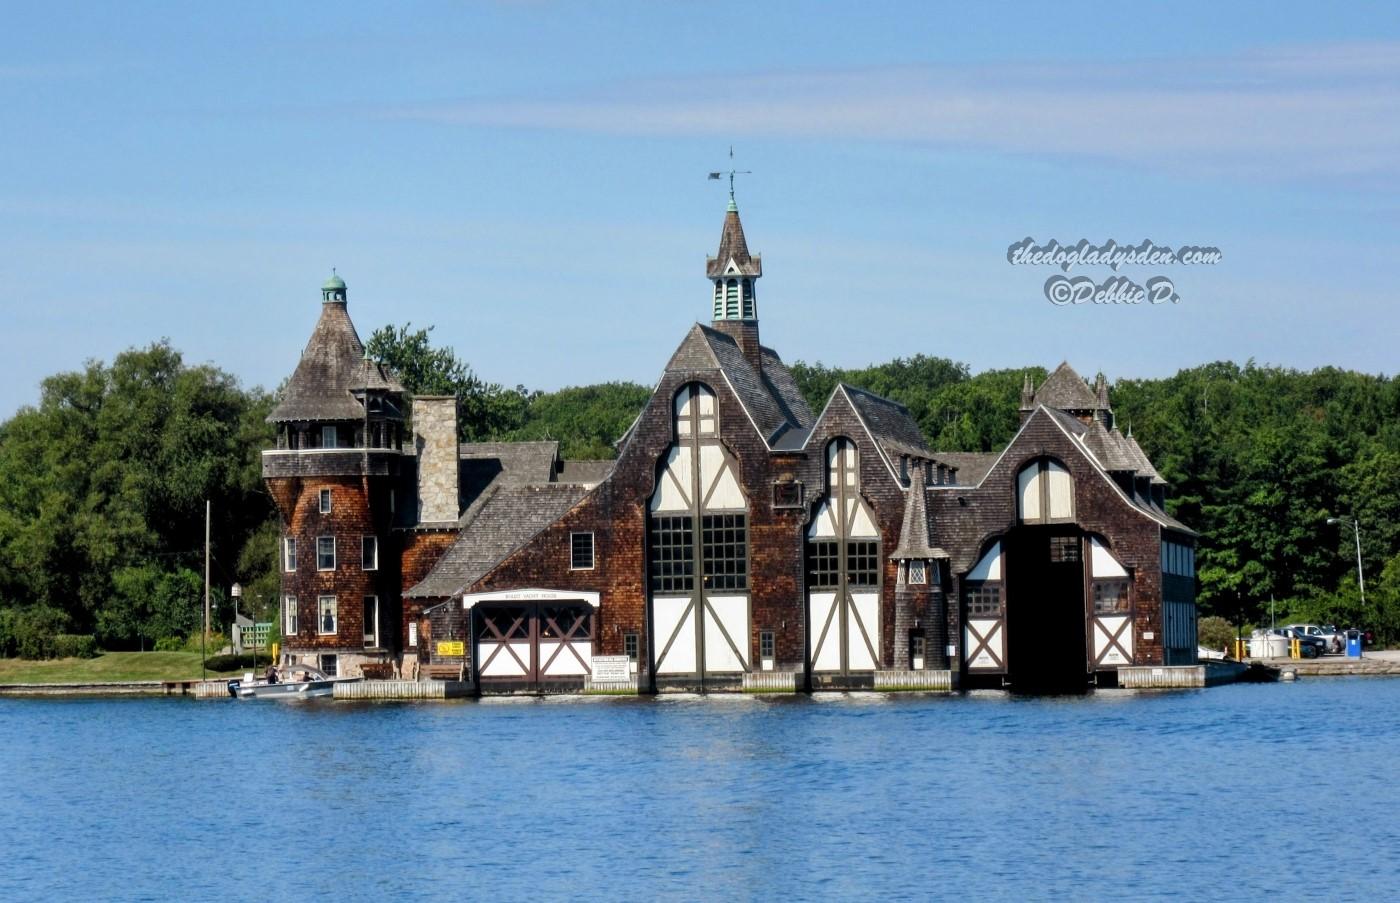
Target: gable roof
[[770, 399], [1066, 390], [501, 520], [332, 367], [889, 422]]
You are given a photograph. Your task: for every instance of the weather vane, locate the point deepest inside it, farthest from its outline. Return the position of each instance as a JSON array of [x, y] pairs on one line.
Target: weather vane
[[732, 173]]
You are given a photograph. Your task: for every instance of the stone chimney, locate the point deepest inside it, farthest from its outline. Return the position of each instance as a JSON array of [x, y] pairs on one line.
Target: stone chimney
[[435, 439]]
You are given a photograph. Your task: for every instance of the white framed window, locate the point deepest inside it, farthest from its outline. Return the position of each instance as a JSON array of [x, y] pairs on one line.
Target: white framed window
[[326, 622], [289, 554], [328, 439], [325, 553], [289, 616], [766, 649], [371, 621], [580, 551], [918, 571], [369, 553], [325, 501]]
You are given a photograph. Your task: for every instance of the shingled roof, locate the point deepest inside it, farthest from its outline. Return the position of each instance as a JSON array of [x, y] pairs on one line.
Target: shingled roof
[[733, 247], [1066, 390], [501, 520], [971, 467], [889, 422], [331, 369], [913, 533], [770, 398]]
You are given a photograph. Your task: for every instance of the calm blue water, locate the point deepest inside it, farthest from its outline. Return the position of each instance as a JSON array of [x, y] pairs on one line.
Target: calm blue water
[[1232, 792]]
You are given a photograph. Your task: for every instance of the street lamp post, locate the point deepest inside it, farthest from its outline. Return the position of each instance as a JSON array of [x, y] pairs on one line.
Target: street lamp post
[[1355, 527]]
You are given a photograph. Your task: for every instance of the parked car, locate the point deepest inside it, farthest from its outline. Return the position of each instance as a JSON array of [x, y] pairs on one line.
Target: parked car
[[1311, 646], [1335, 640]]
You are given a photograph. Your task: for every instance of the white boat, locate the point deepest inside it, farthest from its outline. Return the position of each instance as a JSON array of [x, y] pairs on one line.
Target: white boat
[[304, 682]]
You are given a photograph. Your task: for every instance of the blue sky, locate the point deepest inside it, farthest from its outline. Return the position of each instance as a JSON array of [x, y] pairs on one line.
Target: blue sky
[[530, 178]]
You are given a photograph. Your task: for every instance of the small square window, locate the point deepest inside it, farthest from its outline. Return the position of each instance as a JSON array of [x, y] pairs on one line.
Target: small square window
[[328, 665], [369, 553], [325, 615], [289, 615], [289, 554], [581, 551], [325, 501], [325, 553], [1064, 549], [787, 494]]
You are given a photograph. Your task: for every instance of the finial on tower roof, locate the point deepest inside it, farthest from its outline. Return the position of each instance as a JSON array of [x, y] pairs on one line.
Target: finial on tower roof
[[733, 206]]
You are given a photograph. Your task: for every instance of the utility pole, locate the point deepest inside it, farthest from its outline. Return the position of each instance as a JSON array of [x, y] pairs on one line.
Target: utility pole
[[208, 512]]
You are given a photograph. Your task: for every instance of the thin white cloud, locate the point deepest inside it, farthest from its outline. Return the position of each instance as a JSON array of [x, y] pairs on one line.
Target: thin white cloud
[[1329, 110]]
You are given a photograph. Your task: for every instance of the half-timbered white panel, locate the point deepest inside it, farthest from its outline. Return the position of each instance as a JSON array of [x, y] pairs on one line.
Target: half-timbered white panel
[[861, 524], [504, 659], [564, 659], [726, 633], [826, 631], [1028, 493], [1061, 490], [863, 631], [988, 567], [674, 482], [1102, 560], [823, 525], [719, 487], [984, 645], [1113, 640], [674, 620]]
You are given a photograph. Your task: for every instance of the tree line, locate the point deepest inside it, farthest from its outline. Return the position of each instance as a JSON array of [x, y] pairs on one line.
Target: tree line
[[103, 482]]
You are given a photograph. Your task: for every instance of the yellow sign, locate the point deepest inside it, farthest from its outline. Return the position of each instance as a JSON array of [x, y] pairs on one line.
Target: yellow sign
[[456, 647]]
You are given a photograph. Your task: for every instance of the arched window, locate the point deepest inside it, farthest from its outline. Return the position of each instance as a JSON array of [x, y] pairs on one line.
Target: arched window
[[731, 299], [719, 300], [748, 299], [1044, 492], [696, 412]]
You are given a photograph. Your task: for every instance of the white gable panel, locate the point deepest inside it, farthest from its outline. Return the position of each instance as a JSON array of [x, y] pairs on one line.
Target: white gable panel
[[822, 526], [1102, 561], [989, 566], [862, 527], [719, 489], [1061, 491], [673, 484], [1028, 492]]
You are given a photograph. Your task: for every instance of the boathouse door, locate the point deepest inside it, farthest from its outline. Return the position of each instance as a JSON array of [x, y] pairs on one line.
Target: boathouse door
[[843, 571], [1046, 608], [529, 645], [698, 549]]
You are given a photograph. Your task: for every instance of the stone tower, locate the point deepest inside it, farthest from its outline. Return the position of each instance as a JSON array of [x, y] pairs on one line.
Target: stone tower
[[340, 434]]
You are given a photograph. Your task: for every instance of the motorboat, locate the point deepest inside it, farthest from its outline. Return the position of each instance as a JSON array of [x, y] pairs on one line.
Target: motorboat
[[302, 682]]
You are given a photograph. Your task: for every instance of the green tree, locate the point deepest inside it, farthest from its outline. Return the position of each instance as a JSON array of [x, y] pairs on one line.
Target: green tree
[[484, 410]]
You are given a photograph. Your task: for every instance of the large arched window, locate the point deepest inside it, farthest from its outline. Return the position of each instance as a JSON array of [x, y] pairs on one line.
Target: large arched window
[[1044, 492], [843, 569], [697, 549]]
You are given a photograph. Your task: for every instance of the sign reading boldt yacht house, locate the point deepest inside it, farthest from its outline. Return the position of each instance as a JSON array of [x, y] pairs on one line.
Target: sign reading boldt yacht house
[[739, 539]]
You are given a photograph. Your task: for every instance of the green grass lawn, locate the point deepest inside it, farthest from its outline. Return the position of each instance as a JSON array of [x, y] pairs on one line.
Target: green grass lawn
[[112, 667]]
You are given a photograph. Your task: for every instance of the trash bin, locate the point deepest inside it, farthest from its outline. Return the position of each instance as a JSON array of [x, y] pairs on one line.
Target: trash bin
[[1353, 643]]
